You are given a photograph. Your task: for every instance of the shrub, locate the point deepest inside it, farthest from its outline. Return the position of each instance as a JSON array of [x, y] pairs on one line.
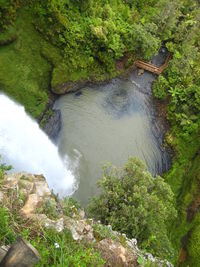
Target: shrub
[[3, 169], [59, 249], [137, 204], [160, 88], [7, 235]]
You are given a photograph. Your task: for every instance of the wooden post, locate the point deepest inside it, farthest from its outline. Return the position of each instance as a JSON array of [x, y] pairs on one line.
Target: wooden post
[[20, 254], [2, 253]]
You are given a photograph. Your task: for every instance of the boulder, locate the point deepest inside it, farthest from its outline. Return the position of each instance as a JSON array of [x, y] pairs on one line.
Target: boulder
[[115, 254], [68, 87], [33, 188], [140, 72], [57, 225], [30, 193], [80, 229], [53, 125], [30, 206]]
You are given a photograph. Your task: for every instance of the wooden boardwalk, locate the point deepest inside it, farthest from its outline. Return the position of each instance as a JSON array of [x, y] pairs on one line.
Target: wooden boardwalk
[[152, 68]]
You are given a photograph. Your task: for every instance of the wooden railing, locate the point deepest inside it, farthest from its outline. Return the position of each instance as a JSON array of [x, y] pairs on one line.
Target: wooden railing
[[152, 68]]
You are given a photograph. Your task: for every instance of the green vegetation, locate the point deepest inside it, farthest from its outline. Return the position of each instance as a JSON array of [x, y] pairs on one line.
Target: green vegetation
[[56, 249], [7, 12], [50, 43], [46, 117], [137, 204], [3, 169], [180, 85], [93, 35], [46, 44], [24, 74]]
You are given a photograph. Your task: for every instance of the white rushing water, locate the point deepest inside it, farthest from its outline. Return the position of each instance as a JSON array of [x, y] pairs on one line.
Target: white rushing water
[[27, 148]]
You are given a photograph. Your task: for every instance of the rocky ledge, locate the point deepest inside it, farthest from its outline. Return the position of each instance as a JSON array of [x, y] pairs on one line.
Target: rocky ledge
[[34, 196], [53, 124]]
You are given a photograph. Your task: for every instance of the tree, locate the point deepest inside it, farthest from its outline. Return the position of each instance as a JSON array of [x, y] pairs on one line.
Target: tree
[[137, 204]]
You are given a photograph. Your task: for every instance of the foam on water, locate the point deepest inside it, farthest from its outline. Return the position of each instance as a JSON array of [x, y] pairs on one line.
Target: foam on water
[[27, 148]]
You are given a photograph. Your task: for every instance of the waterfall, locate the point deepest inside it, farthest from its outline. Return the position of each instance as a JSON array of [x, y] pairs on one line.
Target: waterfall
[[27, 148]]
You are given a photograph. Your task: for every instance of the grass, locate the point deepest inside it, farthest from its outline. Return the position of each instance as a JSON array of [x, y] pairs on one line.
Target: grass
[[59, 249], [25, 75], [184, 178], [55, 249], [62, 73], [194, 244], [30, 65]]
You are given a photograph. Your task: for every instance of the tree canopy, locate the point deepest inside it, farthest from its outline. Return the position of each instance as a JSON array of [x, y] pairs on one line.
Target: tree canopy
[[137, 204]]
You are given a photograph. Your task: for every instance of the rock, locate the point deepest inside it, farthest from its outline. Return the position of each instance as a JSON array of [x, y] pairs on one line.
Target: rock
[[150, 257], [37, 190], [82, 214], [1, 197], [3, 251], [132, 243], [25, 186], [77, 94], [140, 72], [41, 187], [57, 225], [87, 228], [36, 194], [91, 221], [80, 229], [33, 188], [109, 227], [68, 87], [53, 125], [30, 206], [115, 254]]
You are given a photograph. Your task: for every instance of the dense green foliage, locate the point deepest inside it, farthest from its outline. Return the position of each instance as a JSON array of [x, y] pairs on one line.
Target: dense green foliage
[[25, 74], [84, 40], [93, 35], [47, 43], [7, 12], [180, 85], [181, 80], [137, 204]]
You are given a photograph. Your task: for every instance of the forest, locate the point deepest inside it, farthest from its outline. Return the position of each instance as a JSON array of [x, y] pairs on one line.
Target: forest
[[54, 42]]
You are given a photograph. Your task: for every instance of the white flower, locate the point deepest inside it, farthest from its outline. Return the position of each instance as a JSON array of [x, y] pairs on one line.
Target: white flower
[[56, 245]]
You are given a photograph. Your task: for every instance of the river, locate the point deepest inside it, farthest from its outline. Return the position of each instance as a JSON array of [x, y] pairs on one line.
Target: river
[[110, 123]]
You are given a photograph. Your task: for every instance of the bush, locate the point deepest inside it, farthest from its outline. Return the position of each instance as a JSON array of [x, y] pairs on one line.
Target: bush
[[137, 204], [59, 249], [4, 168], [160, 88], [7, 235], [193, 247]]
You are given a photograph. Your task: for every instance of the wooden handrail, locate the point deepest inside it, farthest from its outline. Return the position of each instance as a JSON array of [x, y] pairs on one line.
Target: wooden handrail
[[152, 68]]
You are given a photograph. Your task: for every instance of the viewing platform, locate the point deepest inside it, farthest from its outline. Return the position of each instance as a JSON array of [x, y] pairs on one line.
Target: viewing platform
[[152, 68]]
